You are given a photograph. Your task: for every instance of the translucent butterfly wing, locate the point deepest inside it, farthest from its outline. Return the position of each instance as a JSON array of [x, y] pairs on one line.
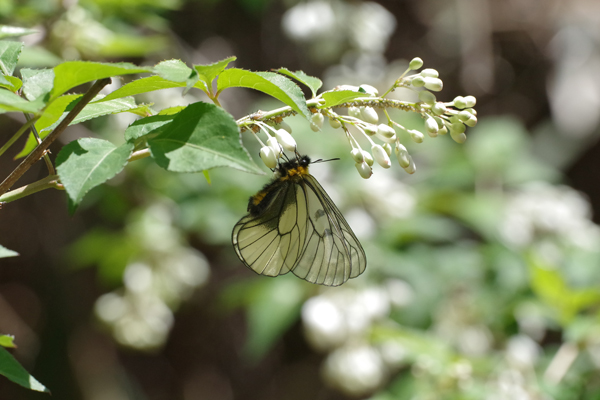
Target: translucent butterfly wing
[[271, 243], [332, 254]]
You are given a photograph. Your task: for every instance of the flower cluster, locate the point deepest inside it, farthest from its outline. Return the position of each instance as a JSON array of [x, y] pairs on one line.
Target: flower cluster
[[362, 117]]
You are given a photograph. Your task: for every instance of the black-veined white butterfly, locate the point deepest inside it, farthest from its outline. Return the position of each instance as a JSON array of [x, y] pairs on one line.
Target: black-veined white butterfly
[[293, 225]]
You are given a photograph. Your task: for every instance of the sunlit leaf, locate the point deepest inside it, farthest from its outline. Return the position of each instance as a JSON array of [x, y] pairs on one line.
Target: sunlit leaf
[[37, 82], [10, 368], [143, 85], [203, 136], [11, 83], [209, 72], [9, 55], [313, 83], [7, 341], [148, 125], [338, 97], [7, 31]]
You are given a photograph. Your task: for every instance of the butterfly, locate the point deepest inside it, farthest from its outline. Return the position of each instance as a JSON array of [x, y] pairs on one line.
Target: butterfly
[[293, 225]]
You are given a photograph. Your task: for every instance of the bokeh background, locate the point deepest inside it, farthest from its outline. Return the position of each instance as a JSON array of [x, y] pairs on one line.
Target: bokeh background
[[484, 267]]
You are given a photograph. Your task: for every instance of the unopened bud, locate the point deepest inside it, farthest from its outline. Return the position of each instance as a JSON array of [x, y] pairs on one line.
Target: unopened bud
[[438, 108], [464, 115], [268, 157], [334, 123], [430, 72], [411, 168], [427, 97], [275, 146], [470, 101], [316, 121], [368, 157], [457, 132], [459, 102], [416, 135], [402, 155], [357, 155], [370, 129], [434, 84], [368, 114], [380, 155], [364, 170], [286, 140], [471, 121], [431, 126], [415, 63], [284, 125], [354, 112], [388, 148], [417, 81]]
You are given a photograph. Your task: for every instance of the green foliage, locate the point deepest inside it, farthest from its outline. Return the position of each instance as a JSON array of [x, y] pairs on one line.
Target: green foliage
[[313, 83], [11, 369]]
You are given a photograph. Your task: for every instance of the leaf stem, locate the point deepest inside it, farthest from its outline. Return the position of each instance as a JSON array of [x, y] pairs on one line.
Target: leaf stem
[[49, 165], [40, 150], [49, 182]]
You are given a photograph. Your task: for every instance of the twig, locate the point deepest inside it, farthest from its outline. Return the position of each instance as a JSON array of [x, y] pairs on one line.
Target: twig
[[40, 150]]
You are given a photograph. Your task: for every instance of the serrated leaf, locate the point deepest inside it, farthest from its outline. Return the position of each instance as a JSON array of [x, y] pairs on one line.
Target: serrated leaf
[[97, 109], [208, 73], [143, 85], [201, 137], [51, 114], [7, 341], [4, 252], [12, 102], [74, 73], [11, 83], [9, 55], [313, 83], [177, 71], [37, 82], [86, 163], [10, 368], [171, 110], [7, 31], [273, 84], [338, 97], [148, 125]]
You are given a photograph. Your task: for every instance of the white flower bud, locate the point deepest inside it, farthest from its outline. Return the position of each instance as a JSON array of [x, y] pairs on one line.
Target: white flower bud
[[381, 156], [368, 158], [471, 121], [284, 125], [415, 63], [457, 132], [417, 81], [316, 121], [402, 155], [286, 140], [388, 148], [370, 90], [354, 112], [347, 87], [334, 123], [416, 136], [370, 129], [268, 157], [443, 130], [439, 108], [427, 97], [369, 115], [364, 170], [458, 137], [411, 168], [472, 111], [431, 126], [357, 155], [275, 146], [470, 101], [464, 116], [459, 102], [434, 84], [430, 72], [385, 131]]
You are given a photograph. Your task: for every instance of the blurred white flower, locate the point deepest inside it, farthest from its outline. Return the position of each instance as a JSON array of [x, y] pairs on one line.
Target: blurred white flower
[[522, 351], [355, 370], [310, 20]]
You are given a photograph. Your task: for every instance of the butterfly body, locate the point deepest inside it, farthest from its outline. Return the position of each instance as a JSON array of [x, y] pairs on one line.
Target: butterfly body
[[292, 225]]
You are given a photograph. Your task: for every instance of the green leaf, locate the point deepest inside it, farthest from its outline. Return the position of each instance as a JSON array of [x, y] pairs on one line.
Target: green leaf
[[11, 83], [89, 162], [143, 85], [7, 341], [337, 97], [176, 71], [201, 137], [313, 83], [171, 110], [207, 73], [273, 307], [148, 125], [10, 368], [37, 82], [97, 109], [51, 114], [74, 73], [270, 83], [7, 31], [4, 252], [12, 102], [9, 55]]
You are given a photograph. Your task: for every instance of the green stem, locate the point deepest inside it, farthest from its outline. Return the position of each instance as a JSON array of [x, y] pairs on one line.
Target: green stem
[[17, 135], [49, 165], [49, 182]]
